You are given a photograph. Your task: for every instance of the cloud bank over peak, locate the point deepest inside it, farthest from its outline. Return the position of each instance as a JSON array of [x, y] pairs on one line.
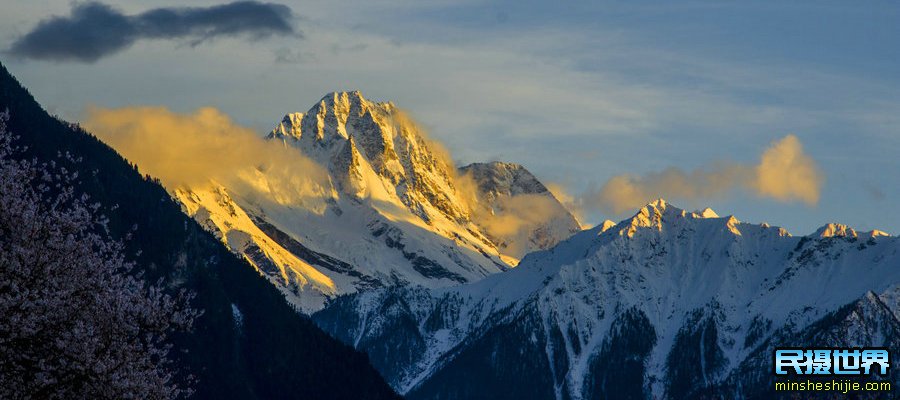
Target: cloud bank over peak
[[95, 30]]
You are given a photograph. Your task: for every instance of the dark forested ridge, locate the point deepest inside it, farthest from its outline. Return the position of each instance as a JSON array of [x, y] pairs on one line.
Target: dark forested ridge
[[273, 352]]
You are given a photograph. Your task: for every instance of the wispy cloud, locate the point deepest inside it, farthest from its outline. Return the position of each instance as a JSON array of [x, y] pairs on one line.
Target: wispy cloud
[[95, 30], [784, 173]]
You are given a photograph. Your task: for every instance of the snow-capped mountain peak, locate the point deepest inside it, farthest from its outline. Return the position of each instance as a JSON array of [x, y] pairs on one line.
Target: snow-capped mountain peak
[[876, 233], [671, 288], [394, 209], [651, 216], [606, 225], [707, 213], [840, 230], [659, 215], [835, 230], [289, 127], [390, 144]]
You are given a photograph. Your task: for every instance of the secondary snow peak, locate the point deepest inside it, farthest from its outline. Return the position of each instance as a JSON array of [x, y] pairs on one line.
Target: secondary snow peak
[[707, 213], [835, 230], [606, 225], [650, 216], [660, 215], [682, 292]]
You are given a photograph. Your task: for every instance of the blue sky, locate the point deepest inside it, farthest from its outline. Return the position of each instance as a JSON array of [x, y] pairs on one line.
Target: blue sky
[[578, 92]]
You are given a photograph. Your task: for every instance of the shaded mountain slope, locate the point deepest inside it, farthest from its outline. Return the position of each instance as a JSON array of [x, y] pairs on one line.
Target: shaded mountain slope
[[249, 343]]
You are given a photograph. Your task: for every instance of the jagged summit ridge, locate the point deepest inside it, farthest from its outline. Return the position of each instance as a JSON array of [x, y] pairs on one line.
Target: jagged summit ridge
[[659, 213], [328, 119], [835, 230], [391, 145], [840, 230], [707, 213]]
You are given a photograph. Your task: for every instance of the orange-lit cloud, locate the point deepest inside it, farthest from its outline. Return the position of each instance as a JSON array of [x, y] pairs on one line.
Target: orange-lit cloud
[[191, 150], [512, 219], [784, 173]]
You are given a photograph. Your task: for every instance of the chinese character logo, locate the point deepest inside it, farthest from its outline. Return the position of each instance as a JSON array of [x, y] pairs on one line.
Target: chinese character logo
[[797, 361]]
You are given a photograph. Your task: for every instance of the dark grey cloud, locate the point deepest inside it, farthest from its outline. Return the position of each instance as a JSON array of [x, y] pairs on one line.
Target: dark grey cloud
[[95, 30]]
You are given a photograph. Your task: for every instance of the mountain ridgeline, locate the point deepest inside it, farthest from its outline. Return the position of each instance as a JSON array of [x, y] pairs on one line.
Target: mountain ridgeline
[[248, 343], [667, 304]]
